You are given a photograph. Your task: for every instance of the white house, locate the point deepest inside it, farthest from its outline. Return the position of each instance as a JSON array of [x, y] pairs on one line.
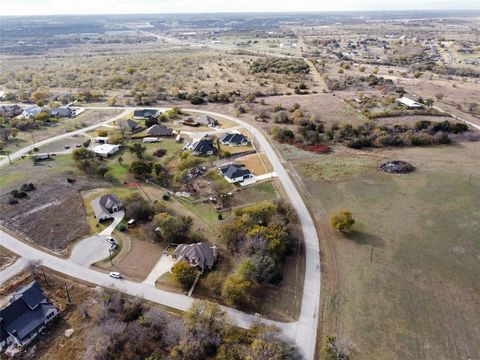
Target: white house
[[101, 140], [105, 150], [409, 103], [234, 173]]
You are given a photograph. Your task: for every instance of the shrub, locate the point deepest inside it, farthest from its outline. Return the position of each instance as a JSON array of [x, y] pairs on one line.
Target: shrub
[[342, 221], [184, 274], [166, 197], [459, 128], [420, 139], [197, 100], [12, 201], [160, 152], [27, 187]]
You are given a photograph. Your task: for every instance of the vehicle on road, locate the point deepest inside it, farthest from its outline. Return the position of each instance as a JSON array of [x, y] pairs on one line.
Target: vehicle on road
[[111, 240], [115, 275]]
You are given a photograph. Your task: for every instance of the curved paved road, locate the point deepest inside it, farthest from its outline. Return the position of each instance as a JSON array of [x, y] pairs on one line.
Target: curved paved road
[[303, 332]]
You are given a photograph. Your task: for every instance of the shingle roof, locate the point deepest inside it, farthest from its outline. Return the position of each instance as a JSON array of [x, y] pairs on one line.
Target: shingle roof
[[206, 120], [27, 311], [233, 171], [145, 113], [200, 254], [159, 130], [61, 112], [130, 124], [203, 146], [103, 205], [233, 138]]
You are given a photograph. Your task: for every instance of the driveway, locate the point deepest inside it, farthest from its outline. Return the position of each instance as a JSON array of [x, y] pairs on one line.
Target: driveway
[[95, 248], [161, 267], [13, 269]]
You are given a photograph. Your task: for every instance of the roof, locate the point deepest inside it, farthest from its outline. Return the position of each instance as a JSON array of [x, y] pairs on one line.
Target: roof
[[159, 130], [34, 110], [61, 112], [203, 146], [27, 310], [234, 138], [145, 113], [206, 120], [200, 254], [11, 109], [104, 205], [409, 102], [105, 149], [234, 171], [130, 124]]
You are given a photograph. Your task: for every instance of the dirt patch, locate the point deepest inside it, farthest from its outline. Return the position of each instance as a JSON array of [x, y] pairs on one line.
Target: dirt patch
[[140, 255], [7, 258], [396, 167], [51, 216]]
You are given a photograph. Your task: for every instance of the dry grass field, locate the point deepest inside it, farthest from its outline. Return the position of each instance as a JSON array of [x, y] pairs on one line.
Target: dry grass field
[[418, 296]]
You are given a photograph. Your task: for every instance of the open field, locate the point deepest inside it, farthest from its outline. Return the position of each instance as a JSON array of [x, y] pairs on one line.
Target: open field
[[40, 216], [418, 296]]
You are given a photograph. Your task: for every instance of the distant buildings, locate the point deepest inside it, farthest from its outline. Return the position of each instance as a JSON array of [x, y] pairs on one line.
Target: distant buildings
[[409, 103], [61, 112], [206, 120], [105, 150], [130, 125], [10, 111], [203, 147], [104, 206], [234, 139], [144, 114], [159, 130], [25, 316], [234, 173], [33, 111]]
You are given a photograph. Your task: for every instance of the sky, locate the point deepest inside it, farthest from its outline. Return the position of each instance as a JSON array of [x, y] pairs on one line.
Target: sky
[[52, 7]]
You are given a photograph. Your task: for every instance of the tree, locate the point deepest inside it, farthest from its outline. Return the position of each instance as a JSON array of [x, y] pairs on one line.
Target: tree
[[338, 348], [120, 160], [184, 274], [138, 208], [14, 133], [174, 228], [138, 149], [112, 101], [140, 169], [343, 221], [83, 154], [102, 133], [429, 102], [235, 289], [151, 121]]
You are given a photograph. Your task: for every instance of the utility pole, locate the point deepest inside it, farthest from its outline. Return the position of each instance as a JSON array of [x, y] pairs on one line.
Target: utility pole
[[110, 254], [68, 294], [45, 276], [33, 137]]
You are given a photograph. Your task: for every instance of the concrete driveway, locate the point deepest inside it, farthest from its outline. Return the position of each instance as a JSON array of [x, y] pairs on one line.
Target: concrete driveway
[[161, 267], [95, 248], [13, 269]]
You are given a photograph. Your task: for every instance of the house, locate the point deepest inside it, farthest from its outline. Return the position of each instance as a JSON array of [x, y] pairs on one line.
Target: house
[[26, 315], [206, 120], [234, 139], [130, 125], [159, 130], [101, 140], [40, 157], [203, 147], [104, 206], [199, 255], [10, 110], [61, 112], [33, 111], [143, 114], [105, 150], [409, 103], [234, 173]]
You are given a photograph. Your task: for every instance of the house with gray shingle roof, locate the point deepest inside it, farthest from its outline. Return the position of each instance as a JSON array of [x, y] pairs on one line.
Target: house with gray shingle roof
[[234, 173], [130, 125], [234, 139], [159, 130], [104, 206], [200, 255], [25, 316]]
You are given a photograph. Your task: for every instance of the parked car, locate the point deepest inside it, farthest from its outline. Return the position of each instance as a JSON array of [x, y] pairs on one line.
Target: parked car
[[113, 247], [115, 275], [66, 147], [78, 145], [111, 240]]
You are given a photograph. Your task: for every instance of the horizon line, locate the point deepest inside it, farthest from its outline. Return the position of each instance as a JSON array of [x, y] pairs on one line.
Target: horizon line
[[245, 12]]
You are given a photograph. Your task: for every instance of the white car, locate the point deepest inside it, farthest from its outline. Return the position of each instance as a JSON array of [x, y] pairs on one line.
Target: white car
[[111, 240], [115, 275]]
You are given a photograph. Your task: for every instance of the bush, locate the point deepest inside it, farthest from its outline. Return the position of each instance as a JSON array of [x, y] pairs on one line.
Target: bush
[[12, 201], [197, 100], [342, 221], [18, 194], [27, 187], [459, 128], [70, 180], [160, 152], [166, 197], [138, 208], [420, 139], [184, 274]]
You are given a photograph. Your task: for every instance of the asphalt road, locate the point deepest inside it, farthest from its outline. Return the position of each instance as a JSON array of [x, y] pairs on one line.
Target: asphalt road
[[303, 332]]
